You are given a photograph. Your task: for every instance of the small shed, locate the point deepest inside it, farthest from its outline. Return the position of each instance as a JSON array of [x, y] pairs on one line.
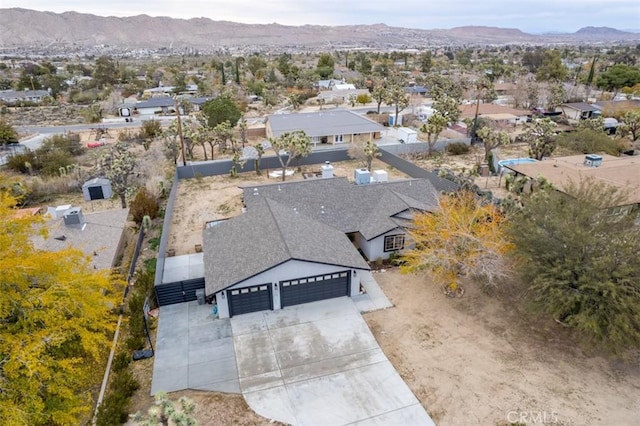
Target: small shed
[[97, 189]]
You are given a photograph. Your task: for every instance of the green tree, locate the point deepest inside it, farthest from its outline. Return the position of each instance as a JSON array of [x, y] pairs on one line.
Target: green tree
[[462, 237], [379, 95], [7, 133], [589, 141], [541, 137], [426, 61], [579, 261], [631, 124], [219, 110], [293, 145], [492, 139], [56, 322], [397, 97], [617, 77], [105, 72], [325, 65], [117, 164], [435, 124], [551, 68], [447, 96]]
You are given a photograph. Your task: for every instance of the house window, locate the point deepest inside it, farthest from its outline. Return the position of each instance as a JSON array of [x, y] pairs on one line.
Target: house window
[[337, 139], [393, 242]]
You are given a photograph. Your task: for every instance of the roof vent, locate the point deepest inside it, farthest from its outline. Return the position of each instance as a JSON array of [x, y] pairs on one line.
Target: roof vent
[[593, 160]]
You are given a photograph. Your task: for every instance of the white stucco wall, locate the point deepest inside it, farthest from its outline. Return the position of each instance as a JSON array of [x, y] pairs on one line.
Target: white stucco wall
[[288, 270], [374, 248]]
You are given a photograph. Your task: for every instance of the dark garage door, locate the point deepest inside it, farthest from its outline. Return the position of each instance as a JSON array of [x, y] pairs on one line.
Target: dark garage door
[[250, 299], [311, 289]]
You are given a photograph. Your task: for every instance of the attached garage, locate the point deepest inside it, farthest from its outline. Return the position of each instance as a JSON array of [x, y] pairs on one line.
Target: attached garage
[[250, 299], [311, 289], [271, 257]]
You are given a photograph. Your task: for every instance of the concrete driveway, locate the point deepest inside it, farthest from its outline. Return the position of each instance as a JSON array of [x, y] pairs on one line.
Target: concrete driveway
[[318, 364], [193, 351]]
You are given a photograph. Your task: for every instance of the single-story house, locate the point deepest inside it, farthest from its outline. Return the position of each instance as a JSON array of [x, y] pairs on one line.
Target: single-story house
[[328, 84], [327, 127], [328, 96], [301, 241], [621, 172], [99, 235], [166, 105], [498, 113], [416, 90], [13, 96], [578, 110]]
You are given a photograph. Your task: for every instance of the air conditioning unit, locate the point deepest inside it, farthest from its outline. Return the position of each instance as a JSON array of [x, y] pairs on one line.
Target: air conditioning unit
[[380, 176], [73, 217], [362, 176], [593, 160]]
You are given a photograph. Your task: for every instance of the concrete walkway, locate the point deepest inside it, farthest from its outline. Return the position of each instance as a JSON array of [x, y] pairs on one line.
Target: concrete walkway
[[318, 364], [373, 298], [193, 351]]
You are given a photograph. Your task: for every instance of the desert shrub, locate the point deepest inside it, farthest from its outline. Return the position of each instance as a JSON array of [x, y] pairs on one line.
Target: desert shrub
[[121, 361], [24, 162], [115, 407], [458, 148], [127, 135], [588, 141], [44, 188], [150, 129], [52, 162], [69, 143], [144, 204]]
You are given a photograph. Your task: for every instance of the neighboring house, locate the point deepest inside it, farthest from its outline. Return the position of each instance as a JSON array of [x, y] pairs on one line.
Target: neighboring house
[[326, 127], [497, 113], [301, 241], [416, 90], [99, 235], [14, 96], [620, 172], [165, 105], [578, 110], [334, 95], [328, 84], [190, 89]]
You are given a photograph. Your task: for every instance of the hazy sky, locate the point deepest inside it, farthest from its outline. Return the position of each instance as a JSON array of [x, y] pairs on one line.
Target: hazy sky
[[527, 15]]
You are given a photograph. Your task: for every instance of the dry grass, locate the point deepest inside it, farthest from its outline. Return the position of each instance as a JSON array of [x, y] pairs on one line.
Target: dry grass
[[475, 359]]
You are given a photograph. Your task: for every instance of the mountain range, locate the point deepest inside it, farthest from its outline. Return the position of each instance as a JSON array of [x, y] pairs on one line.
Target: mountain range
[[29, 28]]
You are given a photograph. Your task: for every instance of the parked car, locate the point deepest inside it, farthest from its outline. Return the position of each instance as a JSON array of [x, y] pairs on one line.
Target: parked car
[[95, 144]]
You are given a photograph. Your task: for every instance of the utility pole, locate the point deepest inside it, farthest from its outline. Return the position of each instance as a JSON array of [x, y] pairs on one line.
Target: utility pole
[[184, 158]]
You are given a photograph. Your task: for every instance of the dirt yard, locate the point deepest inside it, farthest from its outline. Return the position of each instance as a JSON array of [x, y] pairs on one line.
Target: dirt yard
[[205, 199], [477, 360]]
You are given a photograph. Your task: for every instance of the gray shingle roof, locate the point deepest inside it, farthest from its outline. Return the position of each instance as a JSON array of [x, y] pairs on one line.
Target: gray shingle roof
[[323, 123], [367, 209], [580, 106], [267, 235]]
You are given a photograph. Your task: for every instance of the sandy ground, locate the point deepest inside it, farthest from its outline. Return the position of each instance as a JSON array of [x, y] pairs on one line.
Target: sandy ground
[[477, 360], [201, 200]]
